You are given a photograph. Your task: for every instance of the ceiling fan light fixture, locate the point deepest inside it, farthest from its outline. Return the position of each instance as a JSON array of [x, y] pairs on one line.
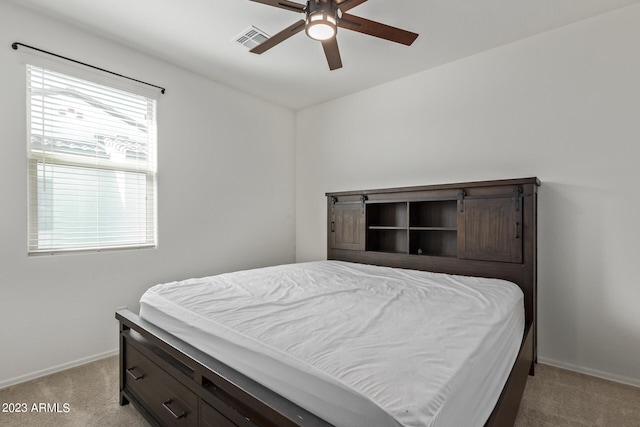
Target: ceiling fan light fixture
[[321, 27], [322, 22]]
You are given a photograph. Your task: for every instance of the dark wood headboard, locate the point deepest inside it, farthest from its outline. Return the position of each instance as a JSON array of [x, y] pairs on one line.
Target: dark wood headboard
[[484, 229]]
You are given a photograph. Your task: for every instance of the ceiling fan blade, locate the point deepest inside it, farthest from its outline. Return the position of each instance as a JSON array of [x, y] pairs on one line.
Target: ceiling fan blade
[[332, 53], [284, 4], [279, 38], [376, 29], [345, 5]]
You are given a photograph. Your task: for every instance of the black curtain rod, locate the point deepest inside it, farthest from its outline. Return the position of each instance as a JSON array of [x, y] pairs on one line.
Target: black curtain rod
[[15, 45]]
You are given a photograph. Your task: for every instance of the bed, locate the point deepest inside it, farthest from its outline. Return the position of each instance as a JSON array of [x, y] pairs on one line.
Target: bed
[[423, 314]]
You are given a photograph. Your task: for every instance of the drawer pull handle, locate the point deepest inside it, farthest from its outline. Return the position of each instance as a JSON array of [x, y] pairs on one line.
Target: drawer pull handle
[[134, 376], [176, 416]]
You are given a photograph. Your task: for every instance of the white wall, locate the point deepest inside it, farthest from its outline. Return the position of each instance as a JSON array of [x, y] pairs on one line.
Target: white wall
[[221, 180], [563, 106]]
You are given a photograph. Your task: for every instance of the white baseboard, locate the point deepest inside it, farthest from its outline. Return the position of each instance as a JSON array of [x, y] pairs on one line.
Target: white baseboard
[[635, 382], [54, 369]]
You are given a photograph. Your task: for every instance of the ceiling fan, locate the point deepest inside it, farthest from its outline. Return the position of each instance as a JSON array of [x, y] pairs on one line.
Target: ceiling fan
[[323, 17]]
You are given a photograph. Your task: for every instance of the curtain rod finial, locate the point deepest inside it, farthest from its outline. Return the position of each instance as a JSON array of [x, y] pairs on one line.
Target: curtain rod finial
[[14, 45]]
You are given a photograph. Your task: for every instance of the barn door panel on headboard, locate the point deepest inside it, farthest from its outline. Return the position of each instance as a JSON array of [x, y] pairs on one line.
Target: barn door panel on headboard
[[347, 223], [490, 227]]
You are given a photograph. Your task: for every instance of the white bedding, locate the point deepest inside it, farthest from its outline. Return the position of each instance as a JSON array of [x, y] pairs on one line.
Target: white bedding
[[357, 345]]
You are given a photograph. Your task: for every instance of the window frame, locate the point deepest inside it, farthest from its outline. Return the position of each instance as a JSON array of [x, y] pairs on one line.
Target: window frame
[[34, 160]]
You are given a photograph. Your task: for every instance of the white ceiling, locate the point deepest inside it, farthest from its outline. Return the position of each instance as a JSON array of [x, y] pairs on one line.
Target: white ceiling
[[197, 35]]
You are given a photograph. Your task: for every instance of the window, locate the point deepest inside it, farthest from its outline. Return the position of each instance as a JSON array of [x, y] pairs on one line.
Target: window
[[92, 165]]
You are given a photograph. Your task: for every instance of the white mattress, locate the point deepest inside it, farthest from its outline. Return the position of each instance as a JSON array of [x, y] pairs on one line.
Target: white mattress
[[357, 345]]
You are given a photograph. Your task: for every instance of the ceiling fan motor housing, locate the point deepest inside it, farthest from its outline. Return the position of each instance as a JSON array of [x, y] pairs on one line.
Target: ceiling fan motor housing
[[322, 19]]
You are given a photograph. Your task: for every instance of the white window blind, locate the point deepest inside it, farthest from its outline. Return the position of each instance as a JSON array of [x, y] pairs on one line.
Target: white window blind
[[92, 165]]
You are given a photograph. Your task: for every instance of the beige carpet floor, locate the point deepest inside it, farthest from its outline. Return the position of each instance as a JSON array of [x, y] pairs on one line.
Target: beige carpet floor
[[90, 390], [560, 398], [553, 398]]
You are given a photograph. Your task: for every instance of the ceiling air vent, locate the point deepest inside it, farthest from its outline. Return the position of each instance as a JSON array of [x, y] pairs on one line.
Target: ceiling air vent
[[251, 37]]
